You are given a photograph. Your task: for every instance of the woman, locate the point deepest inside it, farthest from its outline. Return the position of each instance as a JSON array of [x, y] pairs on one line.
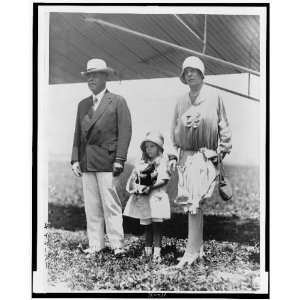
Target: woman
[[201, 135]]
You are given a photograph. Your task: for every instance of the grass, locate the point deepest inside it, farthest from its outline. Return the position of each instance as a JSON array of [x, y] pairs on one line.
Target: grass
[[231, 234], [227, 266], [66, 189]]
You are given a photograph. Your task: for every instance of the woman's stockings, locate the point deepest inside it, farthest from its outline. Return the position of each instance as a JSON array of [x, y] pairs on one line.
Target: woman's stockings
[[195, 233], [194, 246]]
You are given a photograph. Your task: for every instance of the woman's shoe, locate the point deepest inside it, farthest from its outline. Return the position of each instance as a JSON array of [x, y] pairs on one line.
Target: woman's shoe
[[188, 259], [201, 254]]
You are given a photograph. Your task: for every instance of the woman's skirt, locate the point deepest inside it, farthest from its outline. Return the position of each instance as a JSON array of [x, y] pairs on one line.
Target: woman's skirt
[[197, 177]]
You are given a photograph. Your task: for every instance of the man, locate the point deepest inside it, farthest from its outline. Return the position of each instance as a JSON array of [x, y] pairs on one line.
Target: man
[[101, 139]]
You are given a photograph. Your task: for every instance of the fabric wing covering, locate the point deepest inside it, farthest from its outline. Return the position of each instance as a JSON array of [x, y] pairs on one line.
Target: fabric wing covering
[[74, 40]]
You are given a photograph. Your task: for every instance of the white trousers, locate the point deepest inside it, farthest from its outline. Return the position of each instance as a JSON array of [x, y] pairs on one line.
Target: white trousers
[[102, 208]]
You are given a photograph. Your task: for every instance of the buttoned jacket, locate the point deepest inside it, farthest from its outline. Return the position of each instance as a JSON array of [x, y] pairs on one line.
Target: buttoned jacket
[[101, 136]]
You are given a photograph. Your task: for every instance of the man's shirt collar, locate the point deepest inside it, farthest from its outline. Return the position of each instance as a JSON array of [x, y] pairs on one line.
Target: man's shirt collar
[[99, 96]]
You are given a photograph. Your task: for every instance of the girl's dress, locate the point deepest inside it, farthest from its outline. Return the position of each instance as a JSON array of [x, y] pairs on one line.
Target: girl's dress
[[199, 132], [156, 205]]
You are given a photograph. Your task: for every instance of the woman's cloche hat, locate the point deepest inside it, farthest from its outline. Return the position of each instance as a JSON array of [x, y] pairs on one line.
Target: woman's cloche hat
[[192, 62], [154, 137], [97, 65]]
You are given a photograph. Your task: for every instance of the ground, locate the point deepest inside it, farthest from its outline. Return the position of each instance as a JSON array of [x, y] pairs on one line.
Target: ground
[[231, 245]]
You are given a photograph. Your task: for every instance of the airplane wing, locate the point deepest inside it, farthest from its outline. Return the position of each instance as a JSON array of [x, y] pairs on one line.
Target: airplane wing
[[141, 46]]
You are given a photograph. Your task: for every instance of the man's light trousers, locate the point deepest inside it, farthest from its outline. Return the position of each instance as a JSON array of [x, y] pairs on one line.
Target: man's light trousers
[[103, 208]]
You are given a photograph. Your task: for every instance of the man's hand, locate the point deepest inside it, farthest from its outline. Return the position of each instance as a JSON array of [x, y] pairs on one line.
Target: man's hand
[[117, 169], [76, 169]]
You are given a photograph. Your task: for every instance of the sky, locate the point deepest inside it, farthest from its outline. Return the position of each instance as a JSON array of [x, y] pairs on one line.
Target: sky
[[151, 102]]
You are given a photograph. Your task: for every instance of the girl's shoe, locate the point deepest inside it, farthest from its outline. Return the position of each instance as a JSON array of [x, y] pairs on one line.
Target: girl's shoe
[[156, 255], [147, 252], [156, 259]]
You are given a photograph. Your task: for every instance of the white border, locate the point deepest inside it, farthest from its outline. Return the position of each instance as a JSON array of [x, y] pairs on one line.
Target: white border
[[43, 68], [155, 9], [40, 276], [262, 175]]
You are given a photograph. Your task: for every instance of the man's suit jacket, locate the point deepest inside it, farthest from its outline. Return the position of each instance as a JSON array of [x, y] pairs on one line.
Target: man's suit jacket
[[101, 136]]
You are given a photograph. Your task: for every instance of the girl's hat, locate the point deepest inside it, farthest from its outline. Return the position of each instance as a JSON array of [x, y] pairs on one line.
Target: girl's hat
[[192, 62], [154, 137]]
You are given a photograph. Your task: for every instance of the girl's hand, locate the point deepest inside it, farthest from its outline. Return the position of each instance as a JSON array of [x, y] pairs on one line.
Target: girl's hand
[[117, 169], [172, 165], [146, 190]]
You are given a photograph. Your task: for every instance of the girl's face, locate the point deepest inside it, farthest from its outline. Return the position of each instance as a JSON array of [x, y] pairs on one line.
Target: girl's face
[[151, 149]]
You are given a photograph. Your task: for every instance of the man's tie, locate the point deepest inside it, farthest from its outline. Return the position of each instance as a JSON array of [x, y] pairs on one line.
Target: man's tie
[[92, 109], [95, 101]]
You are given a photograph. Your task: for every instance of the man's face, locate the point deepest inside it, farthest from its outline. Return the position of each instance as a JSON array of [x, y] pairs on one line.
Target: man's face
[[192, 76], [96, 81]]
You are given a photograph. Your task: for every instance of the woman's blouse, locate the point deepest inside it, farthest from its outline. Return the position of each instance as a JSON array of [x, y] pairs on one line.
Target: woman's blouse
[[201, 125]]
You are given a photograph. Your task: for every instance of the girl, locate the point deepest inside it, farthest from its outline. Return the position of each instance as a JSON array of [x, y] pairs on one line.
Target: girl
[[149, 200]]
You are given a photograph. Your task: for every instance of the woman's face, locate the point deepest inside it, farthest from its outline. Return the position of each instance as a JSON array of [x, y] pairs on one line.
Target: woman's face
[[192, 76], [151, 149]]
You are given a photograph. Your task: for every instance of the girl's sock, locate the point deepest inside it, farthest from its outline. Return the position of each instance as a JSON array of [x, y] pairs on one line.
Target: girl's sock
[[148, 251], [148, 235]]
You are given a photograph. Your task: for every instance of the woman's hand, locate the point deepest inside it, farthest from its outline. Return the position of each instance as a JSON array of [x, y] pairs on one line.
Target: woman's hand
[[220, 156]]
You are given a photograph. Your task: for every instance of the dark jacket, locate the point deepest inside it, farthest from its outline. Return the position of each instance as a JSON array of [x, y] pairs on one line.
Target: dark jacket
[[102, 137]]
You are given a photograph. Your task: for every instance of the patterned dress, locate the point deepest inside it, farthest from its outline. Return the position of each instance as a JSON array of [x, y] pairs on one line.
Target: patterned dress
[[199, 132]]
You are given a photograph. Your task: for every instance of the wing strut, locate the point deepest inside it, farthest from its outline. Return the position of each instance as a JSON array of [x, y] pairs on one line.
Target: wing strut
[[205, 56], [149, 37]]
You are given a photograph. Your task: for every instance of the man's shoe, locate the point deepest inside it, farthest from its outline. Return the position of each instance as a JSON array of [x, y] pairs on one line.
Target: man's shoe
[[119, 252], [91, 251]]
